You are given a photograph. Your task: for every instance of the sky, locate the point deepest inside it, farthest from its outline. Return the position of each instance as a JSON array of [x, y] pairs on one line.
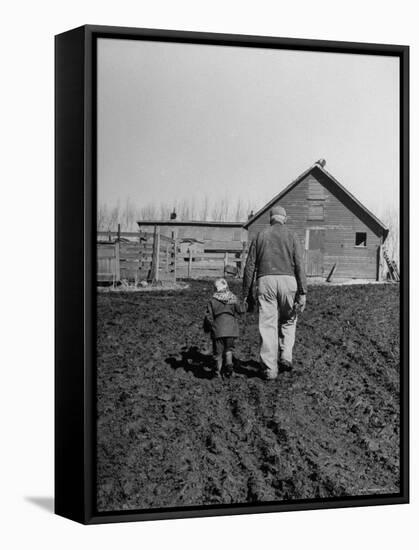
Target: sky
[[185, 120]]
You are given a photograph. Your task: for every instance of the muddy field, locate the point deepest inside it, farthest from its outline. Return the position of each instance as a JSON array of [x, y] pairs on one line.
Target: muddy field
[[171, 435]]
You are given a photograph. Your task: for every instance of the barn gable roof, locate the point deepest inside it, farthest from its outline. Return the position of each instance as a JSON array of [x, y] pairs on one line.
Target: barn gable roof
[[345, 196]]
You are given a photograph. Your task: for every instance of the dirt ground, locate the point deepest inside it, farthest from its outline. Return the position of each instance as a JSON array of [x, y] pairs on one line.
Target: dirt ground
[[169, 434]]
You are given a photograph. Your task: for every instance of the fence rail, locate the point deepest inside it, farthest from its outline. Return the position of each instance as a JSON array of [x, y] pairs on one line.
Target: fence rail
[[154, 257]]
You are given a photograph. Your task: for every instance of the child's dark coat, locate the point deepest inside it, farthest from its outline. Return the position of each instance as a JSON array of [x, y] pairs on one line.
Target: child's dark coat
[[220, 318]]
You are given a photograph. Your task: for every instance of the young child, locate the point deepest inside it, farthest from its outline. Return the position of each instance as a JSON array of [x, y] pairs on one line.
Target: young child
[[221, 322]]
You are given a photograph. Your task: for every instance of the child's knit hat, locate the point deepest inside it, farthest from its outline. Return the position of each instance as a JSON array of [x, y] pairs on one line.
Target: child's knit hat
[[221, 285], [223, 294]]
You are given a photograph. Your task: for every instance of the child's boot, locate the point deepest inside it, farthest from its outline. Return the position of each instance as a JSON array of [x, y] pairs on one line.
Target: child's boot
[[229, 364], [218, 364]]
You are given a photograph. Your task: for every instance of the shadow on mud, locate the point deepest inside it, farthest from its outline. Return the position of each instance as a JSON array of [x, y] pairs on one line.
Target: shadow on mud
[[202, 365], [250, 368], [194, 361]]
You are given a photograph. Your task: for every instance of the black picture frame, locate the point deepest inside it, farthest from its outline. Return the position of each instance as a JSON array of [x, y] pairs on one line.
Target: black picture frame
[[75, 305]]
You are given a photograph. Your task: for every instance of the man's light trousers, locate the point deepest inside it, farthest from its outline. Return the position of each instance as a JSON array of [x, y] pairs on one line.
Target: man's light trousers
[[277, 322]]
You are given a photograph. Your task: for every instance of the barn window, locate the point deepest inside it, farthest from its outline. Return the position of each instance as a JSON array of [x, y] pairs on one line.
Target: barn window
[[360, 239], [316, 191], [316, 212]]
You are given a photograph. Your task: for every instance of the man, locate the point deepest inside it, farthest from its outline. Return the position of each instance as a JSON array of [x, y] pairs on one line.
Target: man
[[275, 260]]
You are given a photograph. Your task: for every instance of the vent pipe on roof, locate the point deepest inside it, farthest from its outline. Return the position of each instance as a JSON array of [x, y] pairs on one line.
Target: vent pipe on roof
[[173, 215], [321, 162]]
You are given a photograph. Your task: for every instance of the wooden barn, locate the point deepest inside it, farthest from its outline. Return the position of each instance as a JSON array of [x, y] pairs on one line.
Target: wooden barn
[[334, 227]]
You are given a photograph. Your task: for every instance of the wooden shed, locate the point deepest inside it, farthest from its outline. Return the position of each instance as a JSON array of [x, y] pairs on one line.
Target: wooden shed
[[334, 227], [203, 248], [212, 236]]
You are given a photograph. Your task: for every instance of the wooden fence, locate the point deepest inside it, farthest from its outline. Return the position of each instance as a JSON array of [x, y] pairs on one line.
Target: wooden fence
[[108, 263], [154, 257], [202, 265], [157, 257]]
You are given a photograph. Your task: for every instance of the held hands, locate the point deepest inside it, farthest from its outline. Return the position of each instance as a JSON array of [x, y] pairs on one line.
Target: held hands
[[300, 302], [249, 303]]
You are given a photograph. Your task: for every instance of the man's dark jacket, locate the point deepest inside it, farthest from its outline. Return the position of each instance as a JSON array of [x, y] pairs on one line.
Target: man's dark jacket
[[274, 251]]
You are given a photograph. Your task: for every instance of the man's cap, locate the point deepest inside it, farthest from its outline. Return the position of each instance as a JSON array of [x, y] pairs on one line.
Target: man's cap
[[278, 211]]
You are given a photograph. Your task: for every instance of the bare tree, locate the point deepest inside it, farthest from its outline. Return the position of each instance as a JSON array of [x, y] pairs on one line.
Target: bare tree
[[183, 209], [225, 209], [192, 209], [114, 217], [127, 216], [188, 209], [215, 212], [165, 211], [204, 209], [238, 210], [102, 217], [148, 212], [391, 219]]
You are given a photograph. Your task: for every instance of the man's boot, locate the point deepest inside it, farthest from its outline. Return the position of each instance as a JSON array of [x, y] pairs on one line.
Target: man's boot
[[284, 365]]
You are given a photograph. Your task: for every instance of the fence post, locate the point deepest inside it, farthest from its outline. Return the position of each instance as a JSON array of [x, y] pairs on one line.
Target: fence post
[[225, 262], [306, 248], [243, 259], [156, 255], [117, 263], [380, 263], [190, 263], [140, 255], [174, 244]]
